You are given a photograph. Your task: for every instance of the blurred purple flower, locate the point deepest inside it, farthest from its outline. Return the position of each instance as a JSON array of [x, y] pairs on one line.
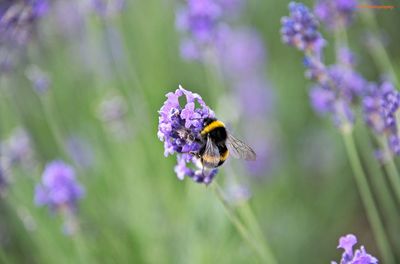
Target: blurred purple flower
[[59, 189], [375, 108], [40, 80], [346, 57], [179, 128], [107, 8], [322, 99], [315, 68], [199, 18], [241, 52], [200, 23], [4, 181], [69, 18], [113, 111], [255, 95], [236, 194], [338, 87], [18, 147], [381, 113], [80, 151], [17, 19], [394, 144], [347, 81], [360, 256], [300, 29], [189, 50], [335, 13], [231, 6]]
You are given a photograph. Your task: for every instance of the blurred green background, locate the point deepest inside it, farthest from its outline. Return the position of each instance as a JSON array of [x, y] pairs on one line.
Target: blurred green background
[[135, 209]]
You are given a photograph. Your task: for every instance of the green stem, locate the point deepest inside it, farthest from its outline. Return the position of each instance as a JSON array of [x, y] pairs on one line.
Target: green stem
[[71, 222], [213, 72], [265, 255], [3, 256], [248, 215], [52, 123], [383, 191], [341, 41], [391, 169], [377, 50], [81, 249], [368, 201]]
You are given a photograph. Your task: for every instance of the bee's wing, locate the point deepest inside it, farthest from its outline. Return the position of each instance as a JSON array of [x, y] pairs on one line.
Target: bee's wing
[[239, 149], [211, 155]]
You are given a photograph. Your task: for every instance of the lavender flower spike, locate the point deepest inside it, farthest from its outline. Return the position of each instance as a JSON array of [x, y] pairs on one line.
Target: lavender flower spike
[[300, 29], [179, 128], [381, 107], [17, 19], [335, 13], [59, 189], [360, 256]]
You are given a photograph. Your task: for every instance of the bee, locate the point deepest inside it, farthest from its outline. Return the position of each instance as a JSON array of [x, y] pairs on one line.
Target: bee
[[217, 144]]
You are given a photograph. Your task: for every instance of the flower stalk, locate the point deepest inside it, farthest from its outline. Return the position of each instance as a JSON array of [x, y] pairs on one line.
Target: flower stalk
[[256, 243], [367, 199], [390, 168], [378, 51]]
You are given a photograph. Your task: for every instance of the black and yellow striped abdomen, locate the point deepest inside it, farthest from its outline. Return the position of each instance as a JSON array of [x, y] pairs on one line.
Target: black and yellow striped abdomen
[[215, 130]]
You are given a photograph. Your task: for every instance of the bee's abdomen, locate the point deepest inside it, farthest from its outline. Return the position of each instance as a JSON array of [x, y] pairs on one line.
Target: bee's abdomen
[[223, 155], [218, 135]]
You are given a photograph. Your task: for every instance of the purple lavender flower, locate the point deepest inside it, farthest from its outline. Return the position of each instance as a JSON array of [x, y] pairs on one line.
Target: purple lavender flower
[[236, 194], [231, 6], [241, 52], [113, 111], [190, 50], [179, 128], [373, 107], [40, 80], [107, 8], [300, 29], [338, 86], [199, 18], [334, 13], [18, 148], [322, 99], [3, 178], [349, 82], [18, 17], [346, 243], [17, 20], [59, 189], [346, 57], [381, 113], [360, 256], [79, 150], [200, 23], [198, 175], [336, 97]]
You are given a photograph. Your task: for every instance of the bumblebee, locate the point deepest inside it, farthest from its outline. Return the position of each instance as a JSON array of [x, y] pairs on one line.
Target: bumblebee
[[217, 144]]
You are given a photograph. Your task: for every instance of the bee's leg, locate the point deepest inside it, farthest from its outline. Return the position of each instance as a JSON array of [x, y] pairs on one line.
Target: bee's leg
[[194, 153]]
